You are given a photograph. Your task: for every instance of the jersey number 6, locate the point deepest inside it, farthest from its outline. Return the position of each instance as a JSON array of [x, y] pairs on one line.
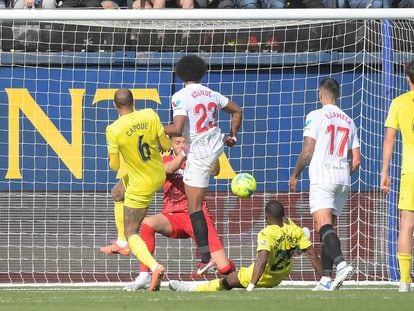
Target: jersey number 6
[[143, 149]]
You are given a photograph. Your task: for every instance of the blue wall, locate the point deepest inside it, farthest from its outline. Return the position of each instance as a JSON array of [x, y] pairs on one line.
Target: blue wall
[[275, 102]]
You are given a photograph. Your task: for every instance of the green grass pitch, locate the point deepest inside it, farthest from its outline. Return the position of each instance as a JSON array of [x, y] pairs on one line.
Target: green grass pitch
[[110, 298]]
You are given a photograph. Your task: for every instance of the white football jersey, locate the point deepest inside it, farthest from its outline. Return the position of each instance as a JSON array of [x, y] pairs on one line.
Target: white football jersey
[[335, 134], [200, 105]]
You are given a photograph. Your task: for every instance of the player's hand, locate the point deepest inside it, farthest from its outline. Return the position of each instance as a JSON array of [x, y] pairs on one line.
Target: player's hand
[[292, 183], [385, 183], [230, 141]]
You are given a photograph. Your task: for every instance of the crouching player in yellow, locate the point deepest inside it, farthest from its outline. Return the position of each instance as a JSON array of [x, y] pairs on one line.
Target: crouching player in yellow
[[276, 244]]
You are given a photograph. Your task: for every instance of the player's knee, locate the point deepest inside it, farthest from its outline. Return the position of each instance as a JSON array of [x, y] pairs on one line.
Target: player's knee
[[227, 269]]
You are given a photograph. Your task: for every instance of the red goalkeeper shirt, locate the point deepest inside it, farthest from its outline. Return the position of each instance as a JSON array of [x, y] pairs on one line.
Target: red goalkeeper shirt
[[175, 200]]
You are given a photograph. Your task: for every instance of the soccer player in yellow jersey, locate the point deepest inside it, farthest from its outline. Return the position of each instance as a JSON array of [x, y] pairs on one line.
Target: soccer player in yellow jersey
[[276, 244], [136, 135], [401, 117]]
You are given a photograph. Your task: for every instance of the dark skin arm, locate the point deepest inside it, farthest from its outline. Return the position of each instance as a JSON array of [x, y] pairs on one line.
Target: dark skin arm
[[259, 266], [236, 118], [314, 260], [176, 128]]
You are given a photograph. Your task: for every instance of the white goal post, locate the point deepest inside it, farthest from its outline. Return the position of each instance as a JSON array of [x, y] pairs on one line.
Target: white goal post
[[58, 73]]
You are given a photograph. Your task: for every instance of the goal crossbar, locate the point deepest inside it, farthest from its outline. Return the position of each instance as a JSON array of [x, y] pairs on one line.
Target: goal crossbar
[[216, 14]]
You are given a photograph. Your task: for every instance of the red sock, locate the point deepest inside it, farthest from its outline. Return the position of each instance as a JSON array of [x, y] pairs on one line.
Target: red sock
[[228, 268], [148, 236]]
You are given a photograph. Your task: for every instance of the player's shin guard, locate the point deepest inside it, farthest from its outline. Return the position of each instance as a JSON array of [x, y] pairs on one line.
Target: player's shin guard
[[119, 220], [227, 269], [405, 261], [200, 229], [148, 236], [331, 241], [140, 250]]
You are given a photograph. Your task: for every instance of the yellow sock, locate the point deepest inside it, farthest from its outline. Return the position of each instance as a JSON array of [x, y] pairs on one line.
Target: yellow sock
[[404, 261], [119, 219], [140, 250], [211, 286]]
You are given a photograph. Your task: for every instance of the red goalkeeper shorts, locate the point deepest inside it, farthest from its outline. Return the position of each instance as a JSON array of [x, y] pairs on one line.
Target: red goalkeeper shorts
[[182, 229]]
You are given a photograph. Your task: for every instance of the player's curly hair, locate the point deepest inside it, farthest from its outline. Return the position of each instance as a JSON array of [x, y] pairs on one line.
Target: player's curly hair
[[409, 69], [191, 68]]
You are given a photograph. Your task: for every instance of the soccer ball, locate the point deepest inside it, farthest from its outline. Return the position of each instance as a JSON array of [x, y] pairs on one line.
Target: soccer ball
[[243, 185]]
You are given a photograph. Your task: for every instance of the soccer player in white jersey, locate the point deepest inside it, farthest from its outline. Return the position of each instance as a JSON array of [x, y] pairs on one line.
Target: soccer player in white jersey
[[332, 147], [195, 109]]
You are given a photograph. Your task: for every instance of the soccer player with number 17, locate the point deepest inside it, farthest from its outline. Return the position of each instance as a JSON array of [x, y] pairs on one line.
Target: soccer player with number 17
[[195, 110], [332, 147]]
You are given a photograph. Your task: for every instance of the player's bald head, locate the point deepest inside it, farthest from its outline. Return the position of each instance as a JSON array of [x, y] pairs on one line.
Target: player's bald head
[[123, 98], [275, 210]]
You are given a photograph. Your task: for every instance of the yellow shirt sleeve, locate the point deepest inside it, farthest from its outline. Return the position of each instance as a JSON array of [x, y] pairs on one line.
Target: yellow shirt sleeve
[[114, 162], [304, 242], [163, 139], [263, 241], [113, 150], [113, 147], [392, 119]]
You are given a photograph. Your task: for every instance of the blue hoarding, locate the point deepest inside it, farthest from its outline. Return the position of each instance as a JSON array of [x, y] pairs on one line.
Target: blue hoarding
[[275, 102]]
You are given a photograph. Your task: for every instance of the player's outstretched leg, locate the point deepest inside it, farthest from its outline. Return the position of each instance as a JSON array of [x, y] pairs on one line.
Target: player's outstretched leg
[[180, 286], [142, 281]]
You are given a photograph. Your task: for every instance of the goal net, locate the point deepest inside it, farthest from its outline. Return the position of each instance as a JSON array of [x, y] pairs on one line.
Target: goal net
[[57, 81]]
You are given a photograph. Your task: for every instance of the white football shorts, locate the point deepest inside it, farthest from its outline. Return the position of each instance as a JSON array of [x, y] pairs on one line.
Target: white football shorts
[[328, 196], [197, 171]]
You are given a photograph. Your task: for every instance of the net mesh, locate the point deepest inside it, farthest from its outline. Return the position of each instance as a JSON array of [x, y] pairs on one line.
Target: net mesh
[[57, 82]]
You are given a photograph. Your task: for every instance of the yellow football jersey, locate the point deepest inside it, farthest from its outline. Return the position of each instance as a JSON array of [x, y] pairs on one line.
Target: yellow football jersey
[[136, 136], [401, 116], [281, 243]]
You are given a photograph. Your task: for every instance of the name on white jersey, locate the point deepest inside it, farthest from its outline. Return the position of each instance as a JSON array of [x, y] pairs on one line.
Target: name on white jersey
[[338, 115]]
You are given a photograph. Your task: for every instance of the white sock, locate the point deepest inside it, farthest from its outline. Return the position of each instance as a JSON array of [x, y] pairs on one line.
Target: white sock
[[121, 243], [143, 276], [341, 265]]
